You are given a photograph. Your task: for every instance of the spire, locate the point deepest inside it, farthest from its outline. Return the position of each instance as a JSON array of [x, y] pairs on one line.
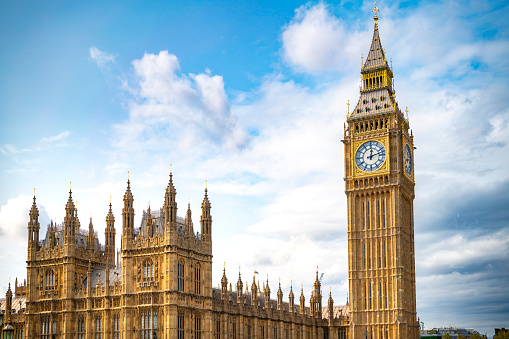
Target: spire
[[33, 225], [109, 236], [254, 293], [206, 218], [8, 304], [189, 222], [291, 299], [330, 307], [128, 214], [91, 237], [239, 289], [302, 301], [224, 284], [376, 56], [279, 297], [70, 221], [170, 204], [267, 294]]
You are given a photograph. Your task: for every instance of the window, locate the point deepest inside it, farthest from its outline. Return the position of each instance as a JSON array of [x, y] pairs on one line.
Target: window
[[148, 271], [262, 331], [378, 210], [19, 333], [368, 215], [234, 330], [248, 330], [116, 326], [197, 280], [218, 329], [197, 327], [180, 276], [275, 333], [46, 328], [148, 324], [81, 328], [50, 280], [98, 327], [383, 213], [180, 324]]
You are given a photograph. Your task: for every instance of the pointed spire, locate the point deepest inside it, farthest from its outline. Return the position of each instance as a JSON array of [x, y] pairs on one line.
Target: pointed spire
[[224, 284], [291, 299], [189, 221], [206, 218], [128, 214], [302, 301], [279, 297], [239, 289]]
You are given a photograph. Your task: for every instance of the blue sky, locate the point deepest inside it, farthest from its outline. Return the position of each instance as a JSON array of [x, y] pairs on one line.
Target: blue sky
[[251, 96]]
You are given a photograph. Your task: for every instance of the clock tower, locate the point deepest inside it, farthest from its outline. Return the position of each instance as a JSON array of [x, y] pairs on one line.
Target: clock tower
[[379, 184]]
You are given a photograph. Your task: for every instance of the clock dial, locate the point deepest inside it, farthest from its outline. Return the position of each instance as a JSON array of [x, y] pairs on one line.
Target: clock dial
[[370, 156], [408, 160]]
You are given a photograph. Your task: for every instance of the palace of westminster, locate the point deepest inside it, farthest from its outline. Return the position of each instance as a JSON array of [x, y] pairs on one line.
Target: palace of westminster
[[160, 286]]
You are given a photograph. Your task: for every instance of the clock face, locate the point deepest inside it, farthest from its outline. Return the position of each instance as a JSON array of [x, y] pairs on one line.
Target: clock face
[[370, 156], [408, 160]]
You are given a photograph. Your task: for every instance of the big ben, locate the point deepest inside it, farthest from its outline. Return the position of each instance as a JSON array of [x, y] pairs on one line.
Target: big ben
[[379, 184]]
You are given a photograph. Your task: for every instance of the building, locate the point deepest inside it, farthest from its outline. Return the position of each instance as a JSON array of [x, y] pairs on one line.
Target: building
[[453, 332], [162, 285]]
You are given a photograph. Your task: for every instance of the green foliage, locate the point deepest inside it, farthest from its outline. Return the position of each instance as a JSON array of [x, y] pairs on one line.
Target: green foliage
[[461, 336], [501, 335], [446, 336], [476, 336]]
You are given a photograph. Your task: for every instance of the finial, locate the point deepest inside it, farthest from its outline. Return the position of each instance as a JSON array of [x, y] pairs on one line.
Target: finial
[[205, 184], [375, 10], [171, 168], [128, 174], [34, 191], [362, 59], [348, 104]]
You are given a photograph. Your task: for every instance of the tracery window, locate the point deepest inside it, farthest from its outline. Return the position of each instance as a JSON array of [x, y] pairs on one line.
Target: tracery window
[[50, 280], [19, 333], [197, 327], [234, 330], [148, 324], [81, 328], [148, 270], [116, 326], [180, 325], [180, 276], [197, 280], [98, 327], [45, 328], [218, 329]]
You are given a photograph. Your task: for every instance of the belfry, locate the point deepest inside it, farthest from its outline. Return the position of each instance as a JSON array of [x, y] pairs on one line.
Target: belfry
[[379, 185]]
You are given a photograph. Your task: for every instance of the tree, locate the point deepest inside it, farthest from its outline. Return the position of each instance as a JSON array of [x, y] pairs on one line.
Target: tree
[[461, 336], [446, 336], [501, 335], [476, 336]]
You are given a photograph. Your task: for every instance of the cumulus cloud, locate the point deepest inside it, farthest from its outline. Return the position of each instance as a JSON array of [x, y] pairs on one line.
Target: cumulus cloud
[[172, 110], [315, 40], [101, 58]]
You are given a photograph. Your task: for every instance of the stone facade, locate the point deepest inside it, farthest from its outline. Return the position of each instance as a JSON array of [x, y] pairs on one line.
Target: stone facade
[[379, 184], [161, 284]]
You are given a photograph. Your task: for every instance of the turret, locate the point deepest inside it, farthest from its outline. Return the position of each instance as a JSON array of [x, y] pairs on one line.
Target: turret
[[170, 206], [330, 308], [266, 293], [302, 302], [109, 237], [206, 218], [224, 286], [33, 229], [279, 297], [291, 299], [128, 216], [239, 289], [69, 224], [91, 237], [148, 223], [189, 222], [51, 236], [8, 305], [254, 293], [317, 297]]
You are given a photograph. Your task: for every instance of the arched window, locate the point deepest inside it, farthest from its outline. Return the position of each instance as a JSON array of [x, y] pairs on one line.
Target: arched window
[[50, 280], [180, 276], [148, 270], [148, 324], [197, 280], [98, 328], [116, 326], [81, 328]]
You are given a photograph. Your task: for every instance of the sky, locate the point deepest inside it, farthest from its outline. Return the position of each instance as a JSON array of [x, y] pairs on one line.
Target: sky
[[251, 96]]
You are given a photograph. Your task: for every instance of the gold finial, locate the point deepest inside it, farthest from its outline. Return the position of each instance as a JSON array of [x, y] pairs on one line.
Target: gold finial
[[348, 104], [375, 10], [362, 59], [171, 168], [34, 191], [110, 199], [69, 185], [128, 174], [205, 183]]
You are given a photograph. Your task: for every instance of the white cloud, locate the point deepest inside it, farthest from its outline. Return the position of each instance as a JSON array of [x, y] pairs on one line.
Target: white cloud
[[58, 137], [170, 109], [317, 41], [101, 58]]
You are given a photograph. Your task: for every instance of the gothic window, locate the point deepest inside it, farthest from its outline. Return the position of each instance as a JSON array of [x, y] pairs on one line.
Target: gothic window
[[381, 98], [98, 328], [180, 276], [234, 330], [218, 329], [180, 324], [50, 280], [379, 295], [116, 326], [262, 331], [365, 298], [369, 256], [372, 100], [148, 324], [54, 326], [45, 328], [197, 327], [148, 270], [248, 330], [367, 109], [379, 256], [385, 256], [275, 333], [385, 294], [363, 217], [81, 328], [383, 213], [19, 333], [368, 218], [370, 297], [197, 280]]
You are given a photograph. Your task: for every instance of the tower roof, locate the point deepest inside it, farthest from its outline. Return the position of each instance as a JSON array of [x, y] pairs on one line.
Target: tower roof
[[376, 56]]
